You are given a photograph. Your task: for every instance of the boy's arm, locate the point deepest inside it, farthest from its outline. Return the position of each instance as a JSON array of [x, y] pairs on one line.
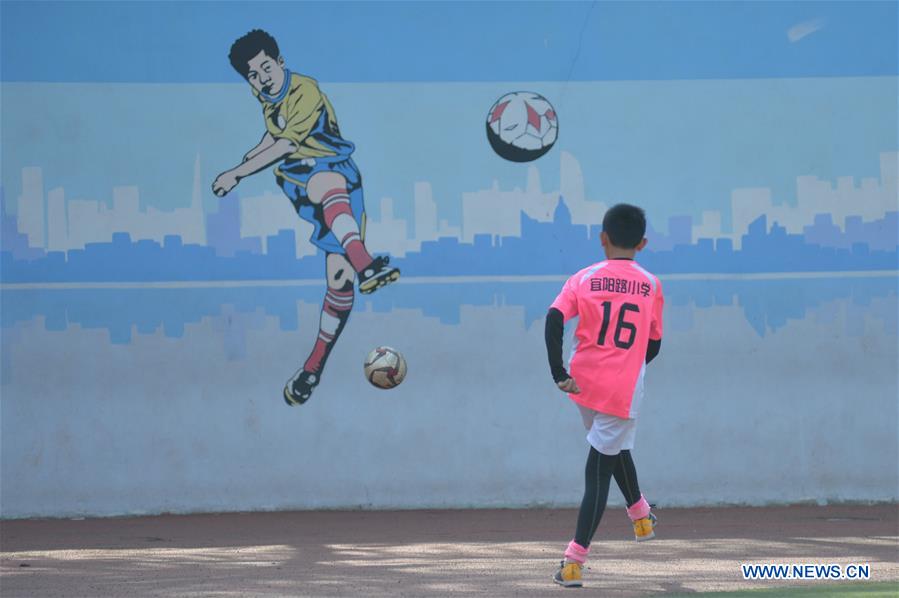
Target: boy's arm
[[302, 109], [652, 349], [655, 327], [555, 328], [563, 308], [264, 143], [277, 151]]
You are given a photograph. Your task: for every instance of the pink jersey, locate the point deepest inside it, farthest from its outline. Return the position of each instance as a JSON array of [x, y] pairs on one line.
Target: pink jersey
[[619, 305]]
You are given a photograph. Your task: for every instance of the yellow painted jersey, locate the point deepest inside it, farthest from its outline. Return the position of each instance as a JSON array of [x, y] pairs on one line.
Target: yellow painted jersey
[[304, 116]]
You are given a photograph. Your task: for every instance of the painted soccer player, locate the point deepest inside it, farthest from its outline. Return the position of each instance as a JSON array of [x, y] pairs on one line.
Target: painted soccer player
[[619, 331], [321, 180]]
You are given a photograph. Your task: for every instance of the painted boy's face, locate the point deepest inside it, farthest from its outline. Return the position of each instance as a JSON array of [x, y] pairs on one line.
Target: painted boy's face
[[266, 74]]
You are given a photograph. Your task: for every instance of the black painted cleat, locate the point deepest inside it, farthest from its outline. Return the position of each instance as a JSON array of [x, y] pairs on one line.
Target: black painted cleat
[[378, 274], [299, 389]]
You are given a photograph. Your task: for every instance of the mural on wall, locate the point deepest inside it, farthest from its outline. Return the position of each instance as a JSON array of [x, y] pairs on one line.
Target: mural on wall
[[317, 173], [770, 181]]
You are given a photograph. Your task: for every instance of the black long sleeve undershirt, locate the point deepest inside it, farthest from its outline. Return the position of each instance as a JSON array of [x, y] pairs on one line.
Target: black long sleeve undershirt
[[652, 349], [555, 327], [553, 332]]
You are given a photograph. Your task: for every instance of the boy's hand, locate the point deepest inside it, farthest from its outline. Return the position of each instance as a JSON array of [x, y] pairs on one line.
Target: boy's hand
[[224, 183], [570, 386]]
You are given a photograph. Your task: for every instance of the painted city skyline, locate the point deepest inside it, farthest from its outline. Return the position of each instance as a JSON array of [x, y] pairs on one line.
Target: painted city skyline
[[831, 226]]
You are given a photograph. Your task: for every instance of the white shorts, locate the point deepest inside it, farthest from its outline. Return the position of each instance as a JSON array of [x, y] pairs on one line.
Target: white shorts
[[608, 434]]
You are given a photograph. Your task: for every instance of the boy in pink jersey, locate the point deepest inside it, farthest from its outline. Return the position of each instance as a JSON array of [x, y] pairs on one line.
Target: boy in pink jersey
[[619, 330]]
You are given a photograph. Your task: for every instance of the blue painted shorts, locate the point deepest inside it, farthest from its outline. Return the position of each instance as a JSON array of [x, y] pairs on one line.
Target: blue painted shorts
[[293, 176]]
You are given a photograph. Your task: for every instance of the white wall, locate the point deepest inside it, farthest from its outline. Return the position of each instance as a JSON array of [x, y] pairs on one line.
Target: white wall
[[196, 423]]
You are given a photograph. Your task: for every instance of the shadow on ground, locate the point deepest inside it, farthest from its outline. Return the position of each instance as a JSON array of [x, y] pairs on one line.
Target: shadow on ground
[[421, 553]]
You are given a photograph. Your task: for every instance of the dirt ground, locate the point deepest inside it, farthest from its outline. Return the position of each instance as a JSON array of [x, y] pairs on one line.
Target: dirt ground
[[431, 553]]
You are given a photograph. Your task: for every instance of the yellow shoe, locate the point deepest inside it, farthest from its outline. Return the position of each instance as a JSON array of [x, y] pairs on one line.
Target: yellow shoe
[[643, 528], [569, 575]]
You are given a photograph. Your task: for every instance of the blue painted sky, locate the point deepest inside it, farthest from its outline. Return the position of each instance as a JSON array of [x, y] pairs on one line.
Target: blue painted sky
[[473, 41]]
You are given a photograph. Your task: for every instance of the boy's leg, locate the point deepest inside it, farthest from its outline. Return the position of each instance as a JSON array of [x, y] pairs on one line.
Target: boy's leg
[[626, 477], [597, 477], [330, 191], [637, 507], [335, 312]]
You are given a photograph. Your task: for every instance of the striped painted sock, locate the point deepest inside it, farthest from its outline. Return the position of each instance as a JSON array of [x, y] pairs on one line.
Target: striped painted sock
[[335, 313], [338, 216]]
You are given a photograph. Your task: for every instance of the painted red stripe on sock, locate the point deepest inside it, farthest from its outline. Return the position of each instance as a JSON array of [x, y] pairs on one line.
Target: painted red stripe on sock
[[332, 192], [350, 237], [340, 298]]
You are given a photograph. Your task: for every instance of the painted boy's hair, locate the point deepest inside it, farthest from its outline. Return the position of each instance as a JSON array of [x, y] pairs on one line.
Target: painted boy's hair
[[625, 225], [250, 45]]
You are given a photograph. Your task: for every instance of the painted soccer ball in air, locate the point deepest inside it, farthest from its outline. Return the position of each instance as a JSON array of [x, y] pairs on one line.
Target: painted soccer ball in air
[[522, 126], [385, 367]]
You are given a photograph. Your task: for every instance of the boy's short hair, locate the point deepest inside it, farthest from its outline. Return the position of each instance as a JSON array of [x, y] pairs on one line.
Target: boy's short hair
[[250, 45], [625, 225]]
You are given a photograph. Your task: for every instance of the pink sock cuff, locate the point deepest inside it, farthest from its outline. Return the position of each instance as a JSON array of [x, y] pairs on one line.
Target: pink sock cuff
[[639, 509], [576, 552]]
